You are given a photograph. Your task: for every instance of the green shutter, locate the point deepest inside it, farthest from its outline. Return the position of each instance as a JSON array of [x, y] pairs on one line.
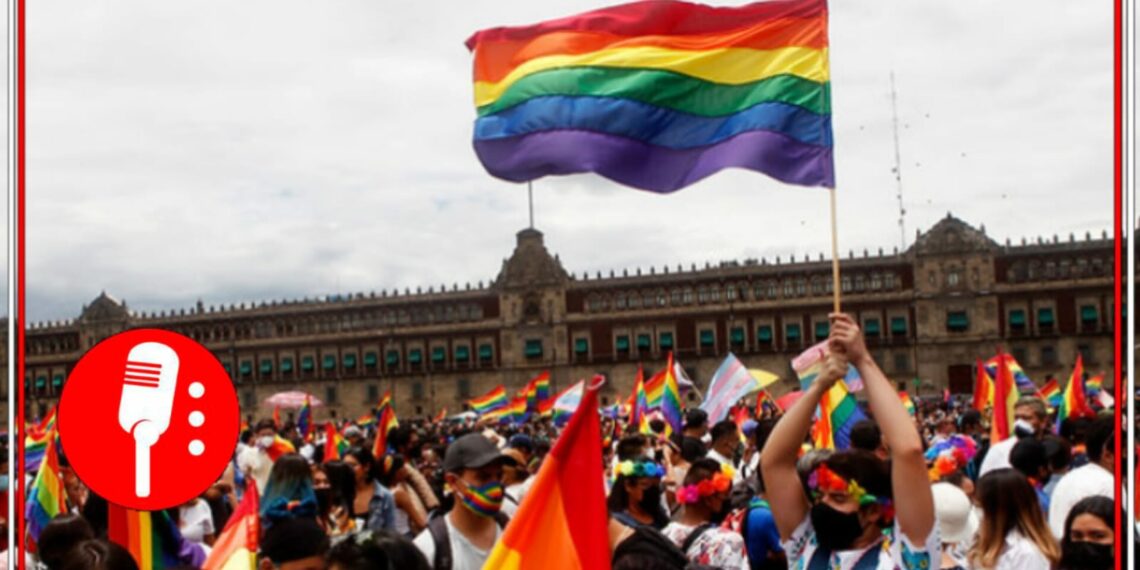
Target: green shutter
[[898, 325], [329, 362], [1045, 316], [415, 356], [370, 359], [286, 364], [486, 352], [1017, 318], [307, 363], [581, 346], [392, 358], [40, 382], [822, 330], [792, 333], [438, 354], [533, 348], [622, 343], [266, 366], [229, 369], [871, 327], [462, 353], [1088, 314], [57, 380], [246, 367], [764, 333], [644, 342], [350, 361], [666, 340], [957, 321], [737, 335], [706, 337]]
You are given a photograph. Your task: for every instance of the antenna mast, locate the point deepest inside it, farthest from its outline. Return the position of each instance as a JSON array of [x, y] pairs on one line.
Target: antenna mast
[[898, 163]]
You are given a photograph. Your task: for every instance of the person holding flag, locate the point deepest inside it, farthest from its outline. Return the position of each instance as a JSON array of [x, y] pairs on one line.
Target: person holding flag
[[850, 511]]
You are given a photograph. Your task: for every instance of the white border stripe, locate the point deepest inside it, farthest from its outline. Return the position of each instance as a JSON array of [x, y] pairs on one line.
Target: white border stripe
[[11, 239], [1129, 220]]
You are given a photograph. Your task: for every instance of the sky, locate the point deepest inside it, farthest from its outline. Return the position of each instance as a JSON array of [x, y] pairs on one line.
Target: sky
[[246, 151]]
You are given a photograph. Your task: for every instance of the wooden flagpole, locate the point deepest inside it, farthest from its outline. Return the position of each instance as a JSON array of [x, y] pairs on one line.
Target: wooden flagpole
[[834, 254]]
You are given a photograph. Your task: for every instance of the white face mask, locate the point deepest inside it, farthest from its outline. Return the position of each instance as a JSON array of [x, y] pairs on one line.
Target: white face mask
[[265, 441]]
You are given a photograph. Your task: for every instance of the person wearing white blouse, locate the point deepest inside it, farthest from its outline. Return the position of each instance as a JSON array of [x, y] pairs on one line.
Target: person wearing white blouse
[[1013, 534]]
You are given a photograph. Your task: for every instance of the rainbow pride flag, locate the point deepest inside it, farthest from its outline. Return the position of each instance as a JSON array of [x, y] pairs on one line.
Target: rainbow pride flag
[[561, 523], [1074, 403], [279, 447], [983, 387], [907, 402], [385, 421], [47, 498], [1024, 384], [658, 94], [1005, 399], [492, 400], [837, 413], [367, 419], [515, 411], [810, 362], [305, 419], [765, 401], [150, 536], [236, 546], [442, 415], [537, 390], [567, 402], [670, 400], [1094, 384], [335, 444], [1051, 393], [36, 438]]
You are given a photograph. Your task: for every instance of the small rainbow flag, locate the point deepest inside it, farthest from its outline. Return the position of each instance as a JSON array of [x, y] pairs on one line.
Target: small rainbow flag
[[279, 447], [305, 419], [515, 411], [150, 536], [983, 388], [907, 402], [1051, 393], [671, 400], [838, 412], [386, 420], [442, 415], [236, 546], [1024, 384], [36, 440], [47, 497], [658, 95], [1005, 399], [367, 419], [564, 513], [639, 408], [765, 401], [1073, 400], [493, 400], [335, 444], [1094, 384], [537, 390]]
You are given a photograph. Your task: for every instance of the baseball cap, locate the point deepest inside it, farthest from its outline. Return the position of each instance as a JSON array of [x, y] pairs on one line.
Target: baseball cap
[[472, 451]]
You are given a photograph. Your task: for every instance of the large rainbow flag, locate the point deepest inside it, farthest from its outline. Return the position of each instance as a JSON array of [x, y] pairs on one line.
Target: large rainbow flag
[[490, 401], [236, 547], [837, 414], [47, 497], [561, 523], [1074, 403], [658, 94], [152, 538]]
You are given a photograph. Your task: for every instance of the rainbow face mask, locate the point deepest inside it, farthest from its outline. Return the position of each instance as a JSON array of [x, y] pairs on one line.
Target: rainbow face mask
[[484, 501]]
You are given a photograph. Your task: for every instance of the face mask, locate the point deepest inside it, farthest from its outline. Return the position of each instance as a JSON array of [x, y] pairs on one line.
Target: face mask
[[725, 509], [650, 500], [324, 498], [484, 501], [835, 530], [265, 441], [1087, 555], [1023, 429]]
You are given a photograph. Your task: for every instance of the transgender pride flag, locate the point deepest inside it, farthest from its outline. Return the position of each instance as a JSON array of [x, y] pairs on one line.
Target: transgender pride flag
[[731, 382], [808, 364]]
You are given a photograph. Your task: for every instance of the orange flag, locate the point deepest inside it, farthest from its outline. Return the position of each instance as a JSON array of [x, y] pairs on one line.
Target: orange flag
[[983, 388]]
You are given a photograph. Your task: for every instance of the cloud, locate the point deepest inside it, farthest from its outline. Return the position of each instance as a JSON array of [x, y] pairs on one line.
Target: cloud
[[256, 150]]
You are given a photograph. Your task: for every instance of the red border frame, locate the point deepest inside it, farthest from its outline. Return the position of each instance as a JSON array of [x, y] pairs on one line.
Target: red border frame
[[20, 91]]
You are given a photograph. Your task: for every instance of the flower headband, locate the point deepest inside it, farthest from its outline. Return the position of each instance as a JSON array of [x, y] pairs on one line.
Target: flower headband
[[824, 479], [719, 483], [639, 469]]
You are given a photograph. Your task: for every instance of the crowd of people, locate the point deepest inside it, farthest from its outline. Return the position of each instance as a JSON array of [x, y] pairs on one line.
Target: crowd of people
[[920, 490]]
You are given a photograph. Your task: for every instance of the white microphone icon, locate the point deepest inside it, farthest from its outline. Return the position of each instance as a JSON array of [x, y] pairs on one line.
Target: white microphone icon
[[149, 382]]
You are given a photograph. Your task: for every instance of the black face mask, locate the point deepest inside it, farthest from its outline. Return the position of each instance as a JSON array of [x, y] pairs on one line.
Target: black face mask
[[835, 530], [650, 500], [323, 499], [1087, 556], [725, 509]]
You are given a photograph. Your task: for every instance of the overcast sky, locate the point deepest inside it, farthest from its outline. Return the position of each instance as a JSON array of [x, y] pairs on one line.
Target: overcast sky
[[242, 151]]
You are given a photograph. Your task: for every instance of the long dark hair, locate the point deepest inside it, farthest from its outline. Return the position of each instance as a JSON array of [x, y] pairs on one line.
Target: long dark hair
[[289, 490], [1097, 506], [618, 502], [342, 482], [1009, 503]]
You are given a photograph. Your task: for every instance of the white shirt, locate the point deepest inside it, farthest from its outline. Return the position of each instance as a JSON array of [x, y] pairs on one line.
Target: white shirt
[[998, 456], [255, 461], [714, 455], [1021, 554], [1084, 481], [515, 491], [195, 521], [464, 555]]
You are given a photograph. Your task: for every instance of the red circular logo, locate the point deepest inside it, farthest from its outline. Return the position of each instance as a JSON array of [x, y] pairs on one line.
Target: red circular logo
[[148, 419]]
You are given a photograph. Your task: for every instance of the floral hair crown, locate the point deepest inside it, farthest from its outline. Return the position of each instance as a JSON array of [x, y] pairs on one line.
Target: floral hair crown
[[639, 469], [824, 479], [720, 482]]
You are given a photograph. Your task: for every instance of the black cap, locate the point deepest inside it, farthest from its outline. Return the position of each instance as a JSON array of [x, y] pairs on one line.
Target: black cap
[[696, 417], [472, 451]]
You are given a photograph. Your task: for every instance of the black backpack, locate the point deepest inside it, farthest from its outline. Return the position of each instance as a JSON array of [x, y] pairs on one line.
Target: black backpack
[[439, 535]]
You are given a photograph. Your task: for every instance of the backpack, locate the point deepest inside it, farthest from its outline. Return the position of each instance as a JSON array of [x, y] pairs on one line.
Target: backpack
[[646, 542], [439, 535]]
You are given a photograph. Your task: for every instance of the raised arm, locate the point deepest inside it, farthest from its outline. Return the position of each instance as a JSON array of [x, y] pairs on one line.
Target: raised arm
[[914, 504], [778, 458]]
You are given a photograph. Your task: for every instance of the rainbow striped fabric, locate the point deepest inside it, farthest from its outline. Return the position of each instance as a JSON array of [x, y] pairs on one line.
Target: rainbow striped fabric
[[983, 387], [809, 363], [335, 444], [837, 414], [236, 546], [1024, 384], [765, 401], [1074, 403], [567, 402], [1094, 384], [47, 497], [731, 382], [279, 447], [561, 523], [537, 390], [150, 536], [515, 411], [305, 419], [492, 400], [36, 440], [385, 421], [1051, 393], [658, 94], [670, 402], [366, 420], [907, 402], [1004, 400]]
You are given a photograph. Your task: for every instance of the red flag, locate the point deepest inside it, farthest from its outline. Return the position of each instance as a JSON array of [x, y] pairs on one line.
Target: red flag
[[1005, 397], [983, 388]]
